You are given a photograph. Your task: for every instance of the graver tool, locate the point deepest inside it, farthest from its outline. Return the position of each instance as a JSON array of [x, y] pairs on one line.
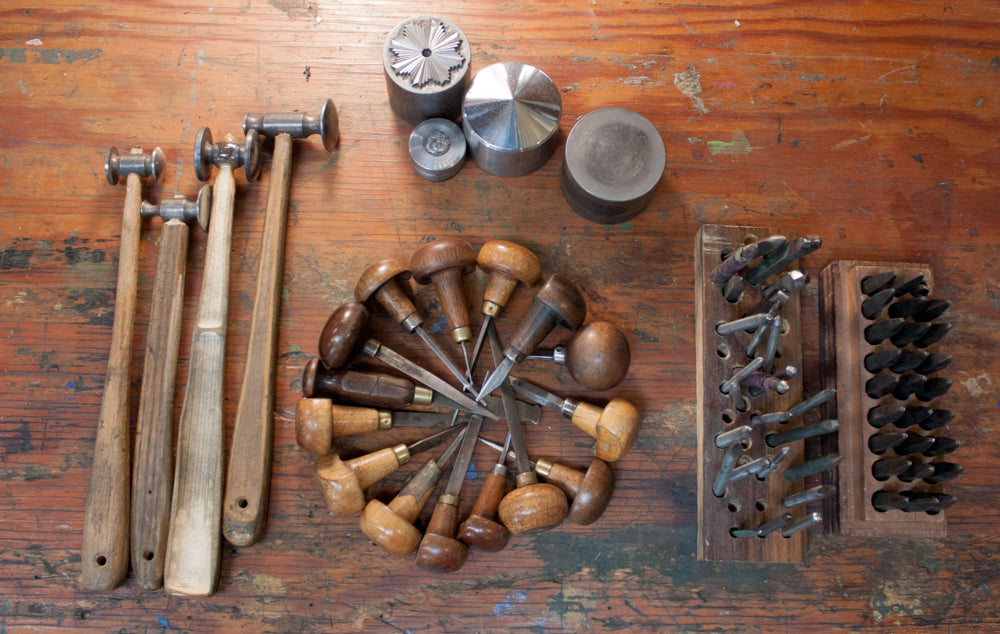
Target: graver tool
[[597, 355], [481, 529], [343, 482], [345, 335], [383, 281], [104, 561], [558, 302], [532, 506], [152, 476], [391, 525], [508, 265]]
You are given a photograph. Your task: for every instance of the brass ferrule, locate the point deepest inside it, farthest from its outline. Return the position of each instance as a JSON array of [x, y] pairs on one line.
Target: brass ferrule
[[450, 500], [412, 322], [526, 478], [490, 309], [384, 419], [422, 396], [499, 469], [462, 333], [402, 454], [543, 467], [371, 348]]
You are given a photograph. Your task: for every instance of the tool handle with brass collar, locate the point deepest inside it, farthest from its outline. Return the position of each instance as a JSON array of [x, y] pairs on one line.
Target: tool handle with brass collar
[[343, 482], [481, 530], [508, 265], [383, 280], [439, 549], [589, 491], [391, 526], [369, 389], [614, 427], [444, 262], [558, 302], [318, 421]]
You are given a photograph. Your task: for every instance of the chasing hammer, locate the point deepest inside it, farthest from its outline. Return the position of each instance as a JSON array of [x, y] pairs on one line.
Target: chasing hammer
[[104, 561], [248, 477]]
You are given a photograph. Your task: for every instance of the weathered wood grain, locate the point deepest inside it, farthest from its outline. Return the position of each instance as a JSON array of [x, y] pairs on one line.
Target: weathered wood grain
[[872, 124]]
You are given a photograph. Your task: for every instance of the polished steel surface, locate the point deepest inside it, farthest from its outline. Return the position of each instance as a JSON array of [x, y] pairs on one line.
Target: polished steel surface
[[510, 116]]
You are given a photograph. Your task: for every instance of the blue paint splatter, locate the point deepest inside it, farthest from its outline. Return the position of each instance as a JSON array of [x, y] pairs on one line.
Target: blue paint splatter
[[3, 621], [69, 385], [438, 325], [470, 473], [163, 622], [507, 605]]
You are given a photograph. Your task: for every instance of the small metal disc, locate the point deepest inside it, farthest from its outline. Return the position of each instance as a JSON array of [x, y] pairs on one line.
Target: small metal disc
[[437, 149], [510, 116], [426, 62], [614, 159]]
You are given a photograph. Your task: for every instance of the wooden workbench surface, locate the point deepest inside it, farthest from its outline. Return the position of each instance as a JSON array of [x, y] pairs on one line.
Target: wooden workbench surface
[[875, 125]]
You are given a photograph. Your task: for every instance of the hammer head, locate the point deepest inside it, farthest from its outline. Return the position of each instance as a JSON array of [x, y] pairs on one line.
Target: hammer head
[[118, 165], [180, 208], [298, 126], [207, 154]]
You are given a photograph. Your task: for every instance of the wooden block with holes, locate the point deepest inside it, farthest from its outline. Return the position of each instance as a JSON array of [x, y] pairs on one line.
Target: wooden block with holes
[[749, 502], [842, 351]]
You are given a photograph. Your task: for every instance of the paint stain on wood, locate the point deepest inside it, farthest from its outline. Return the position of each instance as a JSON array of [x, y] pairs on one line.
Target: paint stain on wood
[[689, 83], [738, 146]]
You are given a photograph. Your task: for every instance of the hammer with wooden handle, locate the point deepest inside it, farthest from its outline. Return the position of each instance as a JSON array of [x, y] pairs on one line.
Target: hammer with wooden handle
[[104, 561], [248, 478], [193, 548], [152, 474]]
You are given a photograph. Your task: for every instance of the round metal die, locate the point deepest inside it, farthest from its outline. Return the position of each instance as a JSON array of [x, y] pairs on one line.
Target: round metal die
[[510, 116], [426, 63], [614, 159], [437, 149]]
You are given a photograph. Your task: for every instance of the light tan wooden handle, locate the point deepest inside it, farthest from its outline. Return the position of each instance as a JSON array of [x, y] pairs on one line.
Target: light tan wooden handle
[[104, 560], [152, 476], [614, 427], [248, 478], [193, 549]]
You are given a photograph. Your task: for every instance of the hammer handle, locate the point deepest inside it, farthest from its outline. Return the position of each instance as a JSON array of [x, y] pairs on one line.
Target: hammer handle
[[104, 560], [193, 548], [153, 472], [248, 478]]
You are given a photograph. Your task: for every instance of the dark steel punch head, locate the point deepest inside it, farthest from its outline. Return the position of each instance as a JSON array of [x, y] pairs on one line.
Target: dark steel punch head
[[614, 159], [117, 166]]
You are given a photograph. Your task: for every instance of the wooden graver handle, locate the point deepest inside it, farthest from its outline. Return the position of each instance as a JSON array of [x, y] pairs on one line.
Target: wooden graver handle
[[193, 549], [104, 561], [248, 478], [153, 474]]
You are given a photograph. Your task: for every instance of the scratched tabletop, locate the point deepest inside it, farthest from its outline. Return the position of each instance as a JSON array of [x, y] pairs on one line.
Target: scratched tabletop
[[875, 125]]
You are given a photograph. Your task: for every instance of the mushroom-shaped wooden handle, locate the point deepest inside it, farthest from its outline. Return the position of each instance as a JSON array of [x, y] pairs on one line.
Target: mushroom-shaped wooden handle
[[343, 483], [318, 421], [344, 335], [590, 492], [507, 263], [384, 280], [439, 550], [480, 530], [391, 526], [598, 356], [614, 427], [533, 507], [558, 302], [444, 262], [369, 389]]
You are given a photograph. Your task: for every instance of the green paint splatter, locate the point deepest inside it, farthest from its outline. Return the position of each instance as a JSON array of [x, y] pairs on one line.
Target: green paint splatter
[[626, 226], [739, 146], [295, 349]]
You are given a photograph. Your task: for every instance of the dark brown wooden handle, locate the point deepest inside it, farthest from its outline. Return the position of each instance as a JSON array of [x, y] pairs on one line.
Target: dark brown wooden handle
[[248, 478], [369, 389], [152, 476], [104, 560], [439, 550], [391, 526]]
